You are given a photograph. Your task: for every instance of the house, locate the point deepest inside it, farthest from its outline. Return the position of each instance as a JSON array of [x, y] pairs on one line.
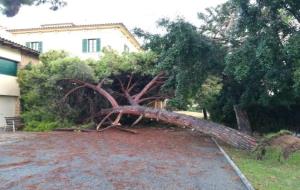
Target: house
[[84, 41], [13, 56]]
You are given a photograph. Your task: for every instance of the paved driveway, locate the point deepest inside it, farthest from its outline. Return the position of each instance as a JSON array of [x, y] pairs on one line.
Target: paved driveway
[[152, 159]]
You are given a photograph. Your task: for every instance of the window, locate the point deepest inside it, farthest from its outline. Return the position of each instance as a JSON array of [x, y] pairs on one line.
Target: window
[[91, 45], [126, 48], [38, 46], [8, 67]]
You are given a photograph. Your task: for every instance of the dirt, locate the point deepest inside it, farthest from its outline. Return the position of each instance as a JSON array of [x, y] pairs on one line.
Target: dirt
[[287, 143], [152, 159]]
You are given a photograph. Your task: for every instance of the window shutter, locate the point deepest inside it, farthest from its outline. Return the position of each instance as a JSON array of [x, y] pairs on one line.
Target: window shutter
[[28, 44], [40, 46], [84, 45], [98, 45], [8, 67]]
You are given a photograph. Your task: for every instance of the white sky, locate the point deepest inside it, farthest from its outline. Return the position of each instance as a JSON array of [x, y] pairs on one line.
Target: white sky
[[133, 13]]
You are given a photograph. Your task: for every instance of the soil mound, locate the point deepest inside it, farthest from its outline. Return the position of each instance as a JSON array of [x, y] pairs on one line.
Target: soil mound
[[287, 143]]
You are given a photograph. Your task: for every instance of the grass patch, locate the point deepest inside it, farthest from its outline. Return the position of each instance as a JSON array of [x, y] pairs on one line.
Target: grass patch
[[190, 113], [280, 133], [269, 173]]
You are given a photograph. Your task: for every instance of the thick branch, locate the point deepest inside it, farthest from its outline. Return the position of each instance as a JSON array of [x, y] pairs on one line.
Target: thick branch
[[129, 82], [132, 86], [126, 93], [100, 90], [121, 84], [101, 83], [73, 90], [220, 132], [117, 120], [138, 96], [137, 121], [105, 118]]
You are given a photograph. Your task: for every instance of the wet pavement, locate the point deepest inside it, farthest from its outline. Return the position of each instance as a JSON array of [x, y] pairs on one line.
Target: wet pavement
[[153, 159]]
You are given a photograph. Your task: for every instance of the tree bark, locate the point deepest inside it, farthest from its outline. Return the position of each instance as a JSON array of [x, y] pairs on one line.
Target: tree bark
[[228, 135], [242, 120], [204, 113], [220, 132]]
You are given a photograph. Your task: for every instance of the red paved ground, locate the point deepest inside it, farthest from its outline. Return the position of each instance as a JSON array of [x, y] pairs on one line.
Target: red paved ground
[[152, 159]]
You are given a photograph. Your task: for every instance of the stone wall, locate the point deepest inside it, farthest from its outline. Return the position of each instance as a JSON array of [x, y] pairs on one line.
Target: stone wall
[[18, 107], [26, 59]]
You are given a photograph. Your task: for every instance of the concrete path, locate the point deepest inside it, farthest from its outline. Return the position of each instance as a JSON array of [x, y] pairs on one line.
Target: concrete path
[[152, 159]]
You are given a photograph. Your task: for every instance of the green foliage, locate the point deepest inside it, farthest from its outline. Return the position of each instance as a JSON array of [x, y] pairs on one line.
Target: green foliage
[[113, 63], [208, 93], [90, 125], [52, 55], [268, 174], [187, 57], [261, 62], [41, 126], [272, 119], [259, 67], [265, 145], [220, 23], [278, 134], [293, 51], [11, 7], [261, 73], [43, 87], [251, 47], [41, 95]]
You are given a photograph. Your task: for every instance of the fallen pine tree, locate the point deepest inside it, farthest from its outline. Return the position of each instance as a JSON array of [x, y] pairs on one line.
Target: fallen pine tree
[[136, 97]]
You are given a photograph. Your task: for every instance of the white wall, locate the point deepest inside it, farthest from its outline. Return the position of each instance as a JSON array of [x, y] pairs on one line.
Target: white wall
[[9, 86], [9, 53], [7, 108], [71, 41]]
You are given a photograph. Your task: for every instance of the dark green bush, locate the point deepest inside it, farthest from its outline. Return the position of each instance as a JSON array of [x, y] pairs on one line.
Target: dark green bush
[[42, 87]]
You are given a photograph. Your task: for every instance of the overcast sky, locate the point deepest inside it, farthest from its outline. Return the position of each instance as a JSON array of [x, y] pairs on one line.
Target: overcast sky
[[133, 13]]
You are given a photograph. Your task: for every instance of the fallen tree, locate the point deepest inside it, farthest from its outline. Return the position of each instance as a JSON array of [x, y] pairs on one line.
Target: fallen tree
[[137, 97]]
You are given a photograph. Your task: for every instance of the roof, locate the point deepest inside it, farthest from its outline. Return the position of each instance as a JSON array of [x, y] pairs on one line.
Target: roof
[[60, 27], [15, 45]]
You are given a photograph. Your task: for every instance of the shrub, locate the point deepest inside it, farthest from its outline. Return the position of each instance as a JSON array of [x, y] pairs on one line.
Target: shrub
[[41, 92], [42, 87]]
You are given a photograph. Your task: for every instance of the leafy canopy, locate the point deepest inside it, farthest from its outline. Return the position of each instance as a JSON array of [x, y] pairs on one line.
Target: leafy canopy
[[186, 56], [261, 63], [244, 53], [43, 88], [11, 7], [42, 108]]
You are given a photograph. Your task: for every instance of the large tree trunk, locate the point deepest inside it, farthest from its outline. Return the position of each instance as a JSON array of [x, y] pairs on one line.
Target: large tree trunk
[[242, 120], [220, 132], [205, 114]]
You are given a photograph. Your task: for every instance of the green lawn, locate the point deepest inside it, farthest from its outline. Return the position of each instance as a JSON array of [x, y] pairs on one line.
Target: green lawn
[[268, 174], [191, 113]]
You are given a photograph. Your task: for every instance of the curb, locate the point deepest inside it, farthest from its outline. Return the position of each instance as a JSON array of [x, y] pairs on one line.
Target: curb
[[235, 167]]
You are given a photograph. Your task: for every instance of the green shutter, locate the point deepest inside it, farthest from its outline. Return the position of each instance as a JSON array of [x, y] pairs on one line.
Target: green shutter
[[84, 45], [28, 44], [98, 47], [8, 67], [40, 46]]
